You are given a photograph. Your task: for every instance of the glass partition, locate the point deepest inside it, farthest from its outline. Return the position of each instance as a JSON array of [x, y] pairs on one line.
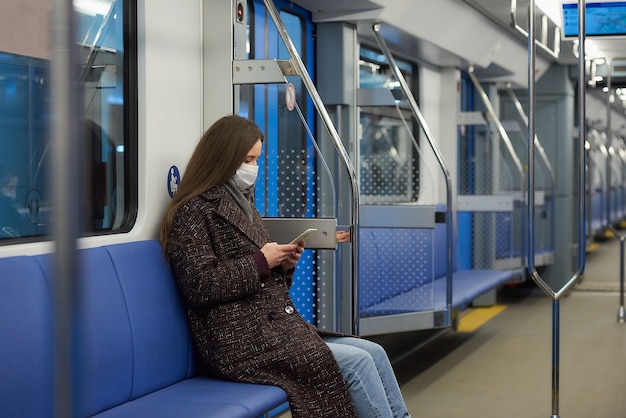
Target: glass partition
[[388, 154]]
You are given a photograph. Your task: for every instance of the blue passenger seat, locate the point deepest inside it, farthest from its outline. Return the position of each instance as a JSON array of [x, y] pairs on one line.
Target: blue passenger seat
[[135, 354], [404, 270], [26, 343]]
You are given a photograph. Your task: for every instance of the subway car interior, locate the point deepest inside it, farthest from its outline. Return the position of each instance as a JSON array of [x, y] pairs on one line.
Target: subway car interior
[[475, 150]]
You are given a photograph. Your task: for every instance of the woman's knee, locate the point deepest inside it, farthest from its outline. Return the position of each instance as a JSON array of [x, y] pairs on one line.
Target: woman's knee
[[351, 358], [374, 349]]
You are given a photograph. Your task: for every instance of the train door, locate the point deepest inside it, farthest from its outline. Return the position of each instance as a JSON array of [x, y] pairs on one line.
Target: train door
[[287, 184]]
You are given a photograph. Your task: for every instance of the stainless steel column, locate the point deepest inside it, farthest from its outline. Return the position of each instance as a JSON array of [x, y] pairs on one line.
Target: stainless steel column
[[556, 295], [66, 190]]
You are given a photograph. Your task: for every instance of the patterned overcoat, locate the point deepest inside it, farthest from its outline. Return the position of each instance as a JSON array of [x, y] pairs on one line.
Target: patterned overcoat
[[244, 325]]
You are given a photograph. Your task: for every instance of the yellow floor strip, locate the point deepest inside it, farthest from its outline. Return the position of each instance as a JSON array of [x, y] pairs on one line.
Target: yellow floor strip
[[592, 247], [472, 320]]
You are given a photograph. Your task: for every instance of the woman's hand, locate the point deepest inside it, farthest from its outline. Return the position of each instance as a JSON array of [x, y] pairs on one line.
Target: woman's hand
[[282, 254], [293, 258], [342, 236]]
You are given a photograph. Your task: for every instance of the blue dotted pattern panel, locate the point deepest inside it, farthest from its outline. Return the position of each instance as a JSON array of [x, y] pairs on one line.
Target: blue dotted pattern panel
[[296, 197], [396, 261], [303, 289]]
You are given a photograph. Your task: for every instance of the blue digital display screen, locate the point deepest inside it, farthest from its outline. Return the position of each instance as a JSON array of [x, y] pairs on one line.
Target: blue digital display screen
[[601, 19]]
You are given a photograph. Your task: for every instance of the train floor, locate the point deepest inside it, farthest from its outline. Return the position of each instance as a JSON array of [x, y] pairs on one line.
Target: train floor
[[504, 367]]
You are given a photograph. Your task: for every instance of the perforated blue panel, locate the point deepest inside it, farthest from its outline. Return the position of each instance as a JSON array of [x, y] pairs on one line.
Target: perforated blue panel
[[394, 261]]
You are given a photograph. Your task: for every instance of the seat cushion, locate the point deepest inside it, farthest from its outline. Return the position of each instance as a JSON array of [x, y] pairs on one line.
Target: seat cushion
[[202, 397], [104, 358], [162, 348], [26, 344]]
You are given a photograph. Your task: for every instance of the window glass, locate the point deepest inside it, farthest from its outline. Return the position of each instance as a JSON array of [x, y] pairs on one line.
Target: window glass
[[23, 96], [25, 119], [287, 148], [295, 153], [388, 160]]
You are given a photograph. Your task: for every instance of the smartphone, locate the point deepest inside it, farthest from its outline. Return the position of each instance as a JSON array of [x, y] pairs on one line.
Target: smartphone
[[303, 235]]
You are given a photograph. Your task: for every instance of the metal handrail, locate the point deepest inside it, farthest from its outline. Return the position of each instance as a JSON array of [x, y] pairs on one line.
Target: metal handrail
[[542, 153], [92, 50], [429, 137], [301, 70], [540, 43], [556, 295], [609, 137], [596, 164], [608, 142], [537, 142], [503, 134], [621, 311]]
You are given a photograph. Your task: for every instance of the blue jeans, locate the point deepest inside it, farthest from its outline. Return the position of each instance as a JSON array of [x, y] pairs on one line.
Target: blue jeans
[[367, 371]]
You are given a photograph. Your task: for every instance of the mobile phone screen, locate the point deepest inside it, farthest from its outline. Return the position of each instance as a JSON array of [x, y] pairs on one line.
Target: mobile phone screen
[[303, 235]]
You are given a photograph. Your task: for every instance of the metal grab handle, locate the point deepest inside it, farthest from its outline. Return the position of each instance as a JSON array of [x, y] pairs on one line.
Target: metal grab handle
[[541, 43], [91, 57], [556, 295], [301, 70], [503, 134], [542, 152], [422, 122], [621, 311], [531, 168], [582, 159]]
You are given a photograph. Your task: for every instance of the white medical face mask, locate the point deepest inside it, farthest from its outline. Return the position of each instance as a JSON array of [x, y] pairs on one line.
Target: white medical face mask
[[246, 176]]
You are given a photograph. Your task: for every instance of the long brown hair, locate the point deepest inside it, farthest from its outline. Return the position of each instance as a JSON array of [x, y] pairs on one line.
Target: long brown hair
[[216, 158]]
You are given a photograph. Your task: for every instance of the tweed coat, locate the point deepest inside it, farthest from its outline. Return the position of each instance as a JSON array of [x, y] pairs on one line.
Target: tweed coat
[[242, 321]]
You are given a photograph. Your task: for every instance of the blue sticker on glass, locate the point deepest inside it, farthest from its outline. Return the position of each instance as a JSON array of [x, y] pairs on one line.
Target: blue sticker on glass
[[173, 180]]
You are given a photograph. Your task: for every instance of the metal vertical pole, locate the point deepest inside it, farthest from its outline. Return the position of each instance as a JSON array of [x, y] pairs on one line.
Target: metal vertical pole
[[556, 353], [531, 206], [620, 311], [65, 205], [555, 295], [608, 167], [609, 129], [582, 131]]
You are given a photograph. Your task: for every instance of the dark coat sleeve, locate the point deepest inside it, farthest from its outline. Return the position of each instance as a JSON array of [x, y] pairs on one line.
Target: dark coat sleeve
[[207, 253]]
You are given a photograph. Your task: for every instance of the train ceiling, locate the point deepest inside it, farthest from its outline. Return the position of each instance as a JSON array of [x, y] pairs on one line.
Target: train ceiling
[[500, 11], [413, 36]]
